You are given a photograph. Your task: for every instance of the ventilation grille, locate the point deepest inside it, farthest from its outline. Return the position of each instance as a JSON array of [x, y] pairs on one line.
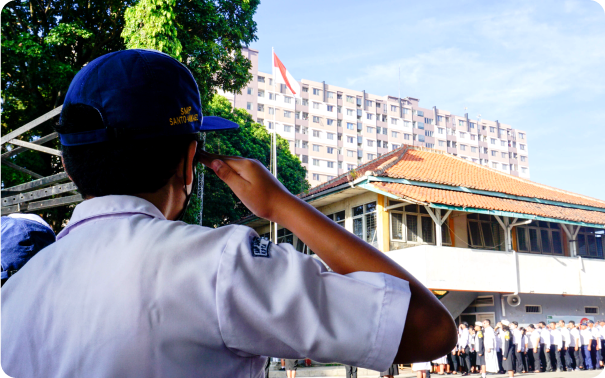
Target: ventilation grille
[[533, 309], [483, 301], [591, 310]]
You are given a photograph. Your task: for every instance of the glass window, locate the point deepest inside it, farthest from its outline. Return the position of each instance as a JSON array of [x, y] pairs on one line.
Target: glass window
[[427, 230], [534, 243], [521, 239], [412, 227], [397, 226]]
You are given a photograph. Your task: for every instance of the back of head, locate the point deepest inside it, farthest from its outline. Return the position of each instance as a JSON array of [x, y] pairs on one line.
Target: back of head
[[22, 237]]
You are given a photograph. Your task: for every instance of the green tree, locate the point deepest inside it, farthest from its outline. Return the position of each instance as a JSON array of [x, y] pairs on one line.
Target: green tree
[[251, 140], [45, 43], [151, 25]]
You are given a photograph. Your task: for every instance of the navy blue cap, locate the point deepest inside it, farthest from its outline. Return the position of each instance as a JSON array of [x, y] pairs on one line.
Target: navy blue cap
[[139, 94], [22, 238]]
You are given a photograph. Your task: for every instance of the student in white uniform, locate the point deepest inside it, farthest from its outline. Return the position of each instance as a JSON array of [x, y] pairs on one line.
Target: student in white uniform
[[464, 348], [586, 340], [422, 369], [545, 348], [556, 345], [595, 345], [565, 352], [518, 348], [575, 346], [127, 291], [533, 352], [491, 357]]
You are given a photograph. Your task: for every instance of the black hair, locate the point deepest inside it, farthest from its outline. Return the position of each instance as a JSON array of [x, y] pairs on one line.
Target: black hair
[[572, 322], [465, 324], [542, 323], [118, 167], [531, 326], [488, 321], [515, 323]]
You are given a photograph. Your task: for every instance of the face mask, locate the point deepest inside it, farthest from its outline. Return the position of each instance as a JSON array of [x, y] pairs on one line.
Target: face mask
[[188, 195]]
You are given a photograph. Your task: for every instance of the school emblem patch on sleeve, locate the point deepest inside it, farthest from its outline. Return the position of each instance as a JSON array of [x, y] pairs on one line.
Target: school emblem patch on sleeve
[[260, 247]]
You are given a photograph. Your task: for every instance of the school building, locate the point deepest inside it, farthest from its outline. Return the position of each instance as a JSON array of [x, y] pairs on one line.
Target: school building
[[489, 244]]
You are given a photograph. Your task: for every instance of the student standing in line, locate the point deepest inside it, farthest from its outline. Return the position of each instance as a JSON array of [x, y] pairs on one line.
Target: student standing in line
[[350, 371], [586, 338], [422, 369], [545, 347], [491, 357], [291, 368], [499, 342], [516, 333], [565, 350], [464, 348], [595, 345], [480, 349], [534, 348], [508, 352], [575, 346], [440, 365], [453, 359], [473, 353], [556, 345]]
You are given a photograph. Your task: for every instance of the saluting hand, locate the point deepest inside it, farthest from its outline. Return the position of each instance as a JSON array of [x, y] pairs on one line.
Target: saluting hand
[[251, 182]]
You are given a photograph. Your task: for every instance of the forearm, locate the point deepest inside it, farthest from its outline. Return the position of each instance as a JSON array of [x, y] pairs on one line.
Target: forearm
[[346, 253]]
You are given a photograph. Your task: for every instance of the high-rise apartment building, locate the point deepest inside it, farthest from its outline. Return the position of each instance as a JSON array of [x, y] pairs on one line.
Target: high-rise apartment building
[[333, 129]]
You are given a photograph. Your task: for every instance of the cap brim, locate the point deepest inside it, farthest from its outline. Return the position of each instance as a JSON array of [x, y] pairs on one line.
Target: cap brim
[[211, 123]]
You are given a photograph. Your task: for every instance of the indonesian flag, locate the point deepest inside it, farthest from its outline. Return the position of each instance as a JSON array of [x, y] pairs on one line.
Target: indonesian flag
[[284, 77]]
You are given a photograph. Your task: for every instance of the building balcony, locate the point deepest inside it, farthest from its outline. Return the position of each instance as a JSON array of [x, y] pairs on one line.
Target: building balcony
[[447, 268]]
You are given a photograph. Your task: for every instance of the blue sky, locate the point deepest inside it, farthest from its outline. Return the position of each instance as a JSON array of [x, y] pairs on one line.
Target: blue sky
[[536, 65]]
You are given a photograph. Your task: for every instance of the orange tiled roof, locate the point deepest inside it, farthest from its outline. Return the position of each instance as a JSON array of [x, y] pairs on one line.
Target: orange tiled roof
[[462, 199], [437, 167]]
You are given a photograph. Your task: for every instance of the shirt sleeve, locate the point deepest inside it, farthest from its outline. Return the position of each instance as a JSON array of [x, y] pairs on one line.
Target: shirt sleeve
[[275, 301]]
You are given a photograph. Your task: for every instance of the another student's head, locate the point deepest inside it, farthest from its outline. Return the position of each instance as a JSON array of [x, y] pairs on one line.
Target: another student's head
[[583, 325], [590, 324], [571, 324], [542, 325], [531, 327], [602, 323], [513, 325], [129, 125], [23, 236], [487, 323], [561, 323], [464, 325], [552, 325]]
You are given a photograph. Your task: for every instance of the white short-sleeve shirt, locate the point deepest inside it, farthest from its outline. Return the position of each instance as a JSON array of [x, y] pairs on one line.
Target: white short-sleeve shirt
[[125, 292]]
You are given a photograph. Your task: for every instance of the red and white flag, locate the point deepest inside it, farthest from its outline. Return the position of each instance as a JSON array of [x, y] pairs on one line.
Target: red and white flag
[[283, 76]]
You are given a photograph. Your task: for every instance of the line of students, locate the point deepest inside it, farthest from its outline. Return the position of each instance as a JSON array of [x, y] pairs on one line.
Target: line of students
[[540, 348]]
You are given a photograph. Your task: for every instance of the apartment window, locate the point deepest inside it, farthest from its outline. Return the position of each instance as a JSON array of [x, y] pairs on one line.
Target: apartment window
[[494, 165], [368, 103], [473, 136], [503, 143], [305, 115], [522, 147], [521, 136], [305, 102], [350, 99], [540, 237], [317, 133], [316, 91], [249, 106], [364, 222], [316, 119], [472, 125], [330, 150], [591, 310], [350, 112], [420, 125], [483, 231], [330, 165], [350, 154], [533, 309], [493, 141], [261, 107], [428, 121], [385, 144], [350, 126], [330, 122], [316, 105], [462, 135], [394, 134], [406, 111], [370, 129], [261, 93], [523, 170], [428, 133], [494, 153], [370, 143], [316, 149], [393, 121], [271, 110], [305, 159], [330, 94], [249, 91], [492, 129], [440, 130], [473, 149], [287, 114], [439, 118], [270, 125], [315, 161], [369, 116], [589, 243], [330, 136], [420, 113], [371, 157], [394, 146], [272, 96], [406, 136], [305, 89], [505, 167], [503, 154], [287, 128], [330, 108], [260, 120], [315, 177], [393, 108], [261, 79], [305, 144], [379, 143], [460, 122], [287, 100], [462, 147], [350, 139], [441, 143], [407, 124], [412, 224], [385, 131]]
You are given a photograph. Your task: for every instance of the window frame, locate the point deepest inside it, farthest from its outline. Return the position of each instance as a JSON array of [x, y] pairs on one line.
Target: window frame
[[364, 217]]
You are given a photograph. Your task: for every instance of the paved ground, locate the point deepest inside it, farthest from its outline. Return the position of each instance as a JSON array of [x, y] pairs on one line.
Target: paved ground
[[339, 371]]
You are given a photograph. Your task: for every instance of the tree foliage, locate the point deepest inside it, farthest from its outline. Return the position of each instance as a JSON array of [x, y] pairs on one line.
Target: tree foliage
[[253, 141], [46, 42], [150, 24]]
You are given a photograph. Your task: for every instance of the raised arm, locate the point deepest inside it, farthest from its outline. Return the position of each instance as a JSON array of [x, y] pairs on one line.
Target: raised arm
[[429, 331]]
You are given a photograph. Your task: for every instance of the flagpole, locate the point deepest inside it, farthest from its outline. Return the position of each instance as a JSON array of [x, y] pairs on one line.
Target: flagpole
[[274, 136]]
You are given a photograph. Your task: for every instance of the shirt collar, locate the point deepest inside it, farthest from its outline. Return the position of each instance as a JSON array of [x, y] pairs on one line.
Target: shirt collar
[[112, 205]]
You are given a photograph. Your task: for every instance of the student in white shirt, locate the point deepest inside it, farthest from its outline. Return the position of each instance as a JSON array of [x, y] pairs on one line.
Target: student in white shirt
[[545, 347], [575, 346], [586, 340], [129, 291], [564, 351], [534, 348], [556, 345], [464, 348], [491, 357]]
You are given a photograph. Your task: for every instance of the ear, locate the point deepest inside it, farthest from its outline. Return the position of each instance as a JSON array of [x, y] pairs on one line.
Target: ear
[[189, 162]]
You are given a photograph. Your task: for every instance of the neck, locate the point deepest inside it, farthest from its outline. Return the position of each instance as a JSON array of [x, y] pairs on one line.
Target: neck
[[169, 199]]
